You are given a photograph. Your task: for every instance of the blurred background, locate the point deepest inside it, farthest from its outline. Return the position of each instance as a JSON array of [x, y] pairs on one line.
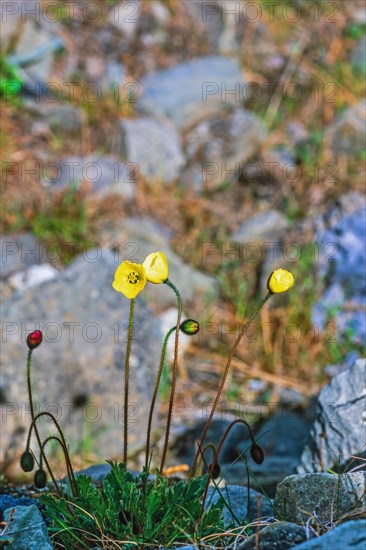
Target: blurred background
[[230, 135]]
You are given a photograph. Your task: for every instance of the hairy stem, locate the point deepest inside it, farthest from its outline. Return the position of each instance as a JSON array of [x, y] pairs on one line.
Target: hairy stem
[[127, 372], [223, 380], [174, 374], [156, 389], [70, 473], [30, 397], [216, 455], [62, 438]]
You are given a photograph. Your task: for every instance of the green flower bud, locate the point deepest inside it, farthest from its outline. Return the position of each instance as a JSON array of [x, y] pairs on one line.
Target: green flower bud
[[190, 326], [27, 461], [40, 479]]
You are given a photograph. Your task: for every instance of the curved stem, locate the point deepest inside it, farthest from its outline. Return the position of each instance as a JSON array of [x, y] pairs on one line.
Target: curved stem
[[216, 455], [174, 376], [127, 372], [223, 379], [156, 389], [67, 456], [70, 473], [30, 397]]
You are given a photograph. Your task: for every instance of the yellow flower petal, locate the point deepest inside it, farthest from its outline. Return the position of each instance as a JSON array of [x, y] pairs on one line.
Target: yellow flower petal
[[156, 267], [129, 279], [280, 281]]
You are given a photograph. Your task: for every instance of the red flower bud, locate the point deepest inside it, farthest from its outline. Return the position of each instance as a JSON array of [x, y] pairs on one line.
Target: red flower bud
[[34, 339]]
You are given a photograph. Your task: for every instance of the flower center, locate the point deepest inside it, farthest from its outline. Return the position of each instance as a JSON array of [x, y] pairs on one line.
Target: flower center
[[133, 277]]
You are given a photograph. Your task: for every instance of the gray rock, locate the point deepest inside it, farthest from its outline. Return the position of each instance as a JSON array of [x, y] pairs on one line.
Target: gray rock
[[27, 529], [115, 75], [98, 472], [33, 276], [348, 132], [223, 145], [61, 118], [193, 90], [339, 428], [135, 238], [356, 10], [154, 146], [340, 237], [18, 252], [104, 175], [36, 39], [350, 535], [237, 497], [10, 22], [262, 227], [78, 371], [328, 496], [277, 536], [358, 56], [125, 17], [209, 17]]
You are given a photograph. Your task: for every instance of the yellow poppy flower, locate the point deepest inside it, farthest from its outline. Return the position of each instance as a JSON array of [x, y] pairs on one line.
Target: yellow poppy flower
[[129, 279], [156, 267], [280, 281]]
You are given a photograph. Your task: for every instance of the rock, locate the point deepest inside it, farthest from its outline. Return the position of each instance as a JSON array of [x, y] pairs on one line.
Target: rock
[[34, 51], [339, 428], [350, 535], [78, 371], [97, 472], [277, 536], [18, 252], [282, 439], [348, 132], [237, 497], [358, 56], [33, 276], [61, 118], [168, 319], [329, 496], [124, 16], [223, 145], [160, 13], [209, 17], [356, 10], [134, 239], [27, 529], [104, 175], [8, 501], [115, 75], [340, 238], [154, 146], [193, 90], [262, 227], [297, 133], [10, 20], [347, 362]]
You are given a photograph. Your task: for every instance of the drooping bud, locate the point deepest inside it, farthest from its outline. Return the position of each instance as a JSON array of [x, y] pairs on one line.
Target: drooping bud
[[34, 339], [27, 461], [257, 454], [190, 326], [216, 471], [40, 479]]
